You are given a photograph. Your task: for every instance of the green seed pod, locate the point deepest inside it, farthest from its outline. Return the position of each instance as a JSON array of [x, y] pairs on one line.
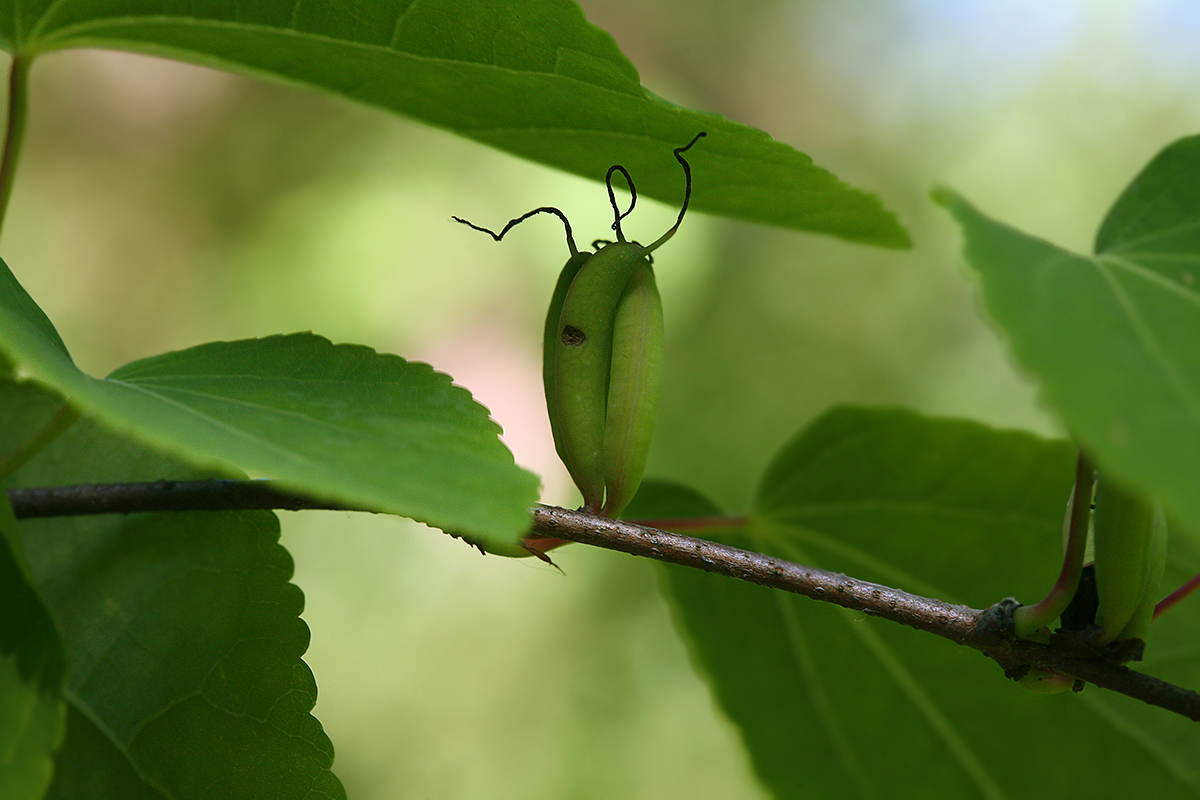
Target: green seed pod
[[565, 278], [633, 389], [1129, 542], [582, 353], [1153, 568], [602, 355]]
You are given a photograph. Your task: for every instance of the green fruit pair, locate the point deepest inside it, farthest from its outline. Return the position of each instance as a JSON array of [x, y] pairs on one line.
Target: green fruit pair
[[602, 354], [1127, 542]]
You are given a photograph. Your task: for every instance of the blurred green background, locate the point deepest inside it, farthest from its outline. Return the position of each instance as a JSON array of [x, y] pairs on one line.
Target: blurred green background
[[161, 205]]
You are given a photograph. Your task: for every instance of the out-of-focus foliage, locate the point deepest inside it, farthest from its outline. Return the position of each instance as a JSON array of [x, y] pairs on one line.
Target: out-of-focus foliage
[[32, 669], [1111, 337], [834, 701]]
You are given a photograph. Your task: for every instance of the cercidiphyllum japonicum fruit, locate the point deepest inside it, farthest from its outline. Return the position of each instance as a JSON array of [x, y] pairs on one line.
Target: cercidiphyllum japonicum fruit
[[602, 354], [1129, 544], [1115, 596]]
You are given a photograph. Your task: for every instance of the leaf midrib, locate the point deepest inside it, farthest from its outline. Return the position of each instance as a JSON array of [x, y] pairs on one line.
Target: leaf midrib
[[70, 35], [238, 432], [1151, 343], [908, 685]]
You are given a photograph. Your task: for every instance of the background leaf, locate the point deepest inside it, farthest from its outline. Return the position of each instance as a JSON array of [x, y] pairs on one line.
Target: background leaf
[[1112, 339], [830, 701], [338, 421], [533, 78], [32, 668], [183, 636]]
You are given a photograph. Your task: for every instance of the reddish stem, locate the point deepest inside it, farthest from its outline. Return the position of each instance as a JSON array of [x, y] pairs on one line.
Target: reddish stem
[[1177, 595]]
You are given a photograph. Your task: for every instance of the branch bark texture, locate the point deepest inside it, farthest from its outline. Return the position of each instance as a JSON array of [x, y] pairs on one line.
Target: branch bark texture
[[986, 630]]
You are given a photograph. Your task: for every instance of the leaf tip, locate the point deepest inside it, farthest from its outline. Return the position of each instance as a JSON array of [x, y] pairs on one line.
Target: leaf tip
[[944, 196]]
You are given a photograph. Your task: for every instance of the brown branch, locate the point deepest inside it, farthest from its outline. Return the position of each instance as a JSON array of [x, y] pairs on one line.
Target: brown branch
[[987, 630], [954, 622], [128, 498]]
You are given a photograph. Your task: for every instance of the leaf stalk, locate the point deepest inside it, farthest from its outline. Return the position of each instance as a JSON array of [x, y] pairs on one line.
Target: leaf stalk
[[14, 129], [1029, 620]]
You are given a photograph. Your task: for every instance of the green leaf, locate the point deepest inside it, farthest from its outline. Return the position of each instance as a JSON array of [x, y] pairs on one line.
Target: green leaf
[[1111, 339], [91, 765], [209, 627], [183, 635], [833, 703], [32, 669], [531, 77], [340, 422]]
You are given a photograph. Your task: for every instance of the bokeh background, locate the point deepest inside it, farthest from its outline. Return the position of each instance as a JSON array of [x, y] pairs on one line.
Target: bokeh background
[[161, 205]]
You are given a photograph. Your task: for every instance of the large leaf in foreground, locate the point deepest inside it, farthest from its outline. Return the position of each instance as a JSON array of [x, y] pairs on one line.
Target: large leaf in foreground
[[183, 636], [337, 421], [1112, 339], [832, 703], [32, 667], [532, 77]]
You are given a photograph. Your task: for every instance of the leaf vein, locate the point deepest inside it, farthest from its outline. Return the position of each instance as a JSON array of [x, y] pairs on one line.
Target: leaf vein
[[955, 743], [1151, 344], [1156, 278], [1124, 724], [806, 665], [241, 433]]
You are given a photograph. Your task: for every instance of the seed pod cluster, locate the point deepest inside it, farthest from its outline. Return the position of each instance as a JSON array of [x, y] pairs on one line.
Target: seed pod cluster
[[602, 354], [1112, 599]]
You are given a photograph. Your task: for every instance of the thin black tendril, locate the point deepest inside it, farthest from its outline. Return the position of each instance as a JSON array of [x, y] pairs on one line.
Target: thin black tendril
[[687, 192], [687, 174], [618, 215], [612, 198], [512, 223]]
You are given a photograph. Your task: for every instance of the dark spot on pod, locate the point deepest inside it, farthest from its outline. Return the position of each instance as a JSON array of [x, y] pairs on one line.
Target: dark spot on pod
[[572, 336]]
